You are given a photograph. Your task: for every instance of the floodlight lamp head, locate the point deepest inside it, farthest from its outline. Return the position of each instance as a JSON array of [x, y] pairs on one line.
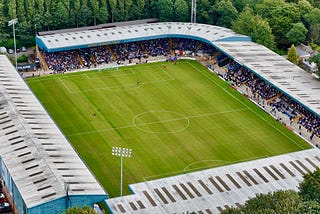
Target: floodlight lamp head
[[13, 21], [122, 152]]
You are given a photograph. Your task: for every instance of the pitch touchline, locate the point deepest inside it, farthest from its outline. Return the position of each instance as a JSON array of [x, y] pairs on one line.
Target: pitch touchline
[[199, 168], [64, 85], [281, 132], [162, 121]]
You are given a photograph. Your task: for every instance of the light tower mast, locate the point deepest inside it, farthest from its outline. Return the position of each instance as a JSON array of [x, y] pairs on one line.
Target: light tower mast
[[194, 11]]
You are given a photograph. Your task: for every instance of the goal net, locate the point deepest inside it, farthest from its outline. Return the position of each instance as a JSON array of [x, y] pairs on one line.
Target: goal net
[[108, 67]]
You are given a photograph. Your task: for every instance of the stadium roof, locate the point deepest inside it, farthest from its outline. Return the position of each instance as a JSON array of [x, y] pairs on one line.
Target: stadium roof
[[287, 77], [284, 75], [57, 41], [213, 190], [38, 157]]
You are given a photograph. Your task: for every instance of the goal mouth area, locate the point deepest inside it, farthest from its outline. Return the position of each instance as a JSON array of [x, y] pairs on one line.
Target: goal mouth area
[[108, 67]]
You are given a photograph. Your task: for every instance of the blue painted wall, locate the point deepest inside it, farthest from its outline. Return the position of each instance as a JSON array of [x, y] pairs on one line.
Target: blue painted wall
[[61, 204]]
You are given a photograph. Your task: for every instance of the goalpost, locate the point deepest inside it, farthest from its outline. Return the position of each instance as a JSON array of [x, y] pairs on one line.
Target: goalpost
[[108, 67]]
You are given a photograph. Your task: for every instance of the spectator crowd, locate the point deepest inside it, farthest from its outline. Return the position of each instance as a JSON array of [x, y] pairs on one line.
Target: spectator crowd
[[63, 61], [168, 47], [278, 101]]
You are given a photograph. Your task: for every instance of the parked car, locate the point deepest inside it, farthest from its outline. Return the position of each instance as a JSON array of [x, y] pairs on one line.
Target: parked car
[[10, 51], [5, 207], [23, 49]]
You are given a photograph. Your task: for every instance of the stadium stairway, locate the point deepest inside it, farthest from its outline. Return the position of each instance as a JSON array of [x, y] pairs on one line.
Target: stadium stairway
[[79, 58], [273, 98], [94, 59], [198, 47], [172, 53], [171, 47], [170, 44], [43, 62], [143, 46], [112, 53], [296, 119]]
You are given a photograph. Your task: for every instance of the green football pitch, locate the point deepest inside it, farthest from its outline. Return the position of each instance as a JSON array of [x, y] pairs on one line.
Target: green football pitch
[[175, 118]]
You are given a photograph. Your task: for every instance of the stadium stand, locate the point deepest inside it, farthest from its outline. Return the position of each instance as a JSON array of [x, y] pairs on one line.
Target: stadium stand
[[213, 190], [40, 170], [268, 77]]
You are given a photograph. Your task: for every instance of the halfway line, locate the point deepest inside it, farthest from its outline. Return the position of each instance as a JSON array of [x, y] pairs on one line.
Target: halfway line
[[162, 121]]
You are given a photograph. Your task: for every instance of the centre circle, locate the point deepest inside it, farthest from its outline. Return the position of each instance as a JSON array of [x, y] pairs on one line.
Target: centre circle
[[161, 122]]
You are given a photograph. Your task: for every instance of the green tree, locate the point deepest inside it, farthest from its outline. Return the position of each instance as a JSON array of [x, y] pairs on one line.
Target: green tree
[[243, 24], [95, 10], [127, 9], [30, 5], [38, 14], [241, 4], [223, 13], [262, 33], [281, 16], [310, 207], [292, 55], [304, 7], [310, 187], [76, 11], [59, 15], [315, 3], [312, 18], [297, 34], [165, 10], [120, 16], [21, 10], [3, 12], [85, 14], [181, 11], [113, 6], [285, 201], [140, 7], [202, 11], [12, 9], [232, 210], [103, 12], [78, 210], [254, 26], [278, 202]]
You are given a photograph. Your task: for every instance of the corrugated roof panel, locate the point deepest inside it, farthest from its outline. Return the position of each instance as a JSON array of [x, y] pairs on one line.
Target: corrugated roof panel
[[108, 35], [281, 73], [34, 150]]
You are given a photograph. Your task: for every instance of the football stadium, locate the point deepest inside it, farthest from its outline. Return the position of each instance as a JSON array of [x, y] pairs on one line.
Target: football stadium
[[154, 117]]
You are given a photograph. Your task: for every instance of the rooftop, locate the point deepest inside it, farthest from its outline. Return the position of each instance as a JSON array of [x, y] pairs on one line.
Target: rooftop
[[213, 190], [38, 157], [284, 75]]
